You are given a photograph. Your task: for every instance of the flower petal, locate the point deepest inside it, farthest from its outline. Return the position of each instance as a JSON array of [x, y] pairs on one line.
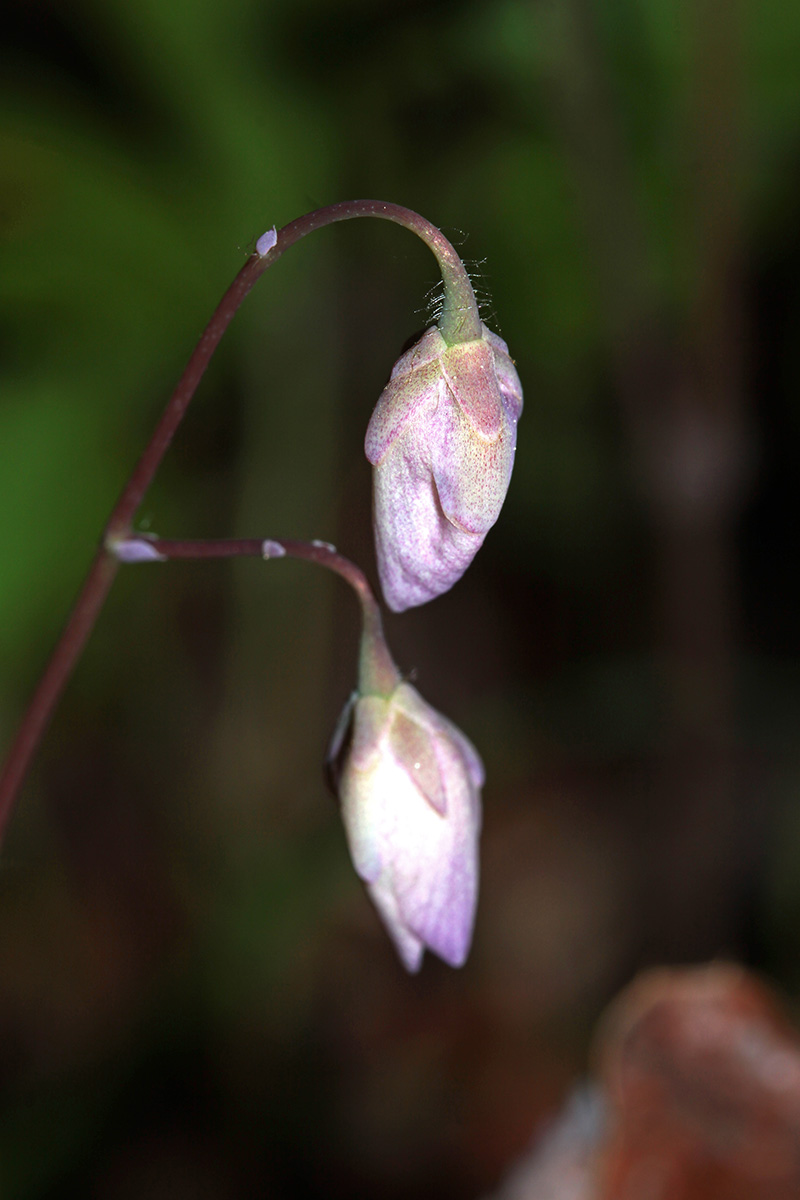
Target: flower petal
[[436, 881], [420, 552], [470, 473], [398, 403], [507, 377], [408, 945], [471, 379], [472, 760], [412, 747]]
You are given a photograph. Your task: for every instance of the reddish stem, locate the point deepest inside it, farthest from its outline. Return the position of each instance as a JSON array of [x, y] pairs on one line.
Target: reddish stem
[[378, 673], [104, 566], [67, 652], [460, 315]]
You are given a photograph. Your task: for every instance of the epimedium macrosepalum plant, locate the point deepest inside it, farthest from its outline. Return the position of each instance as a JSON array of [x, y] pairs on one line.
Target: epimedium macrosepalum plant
[[441, 441]]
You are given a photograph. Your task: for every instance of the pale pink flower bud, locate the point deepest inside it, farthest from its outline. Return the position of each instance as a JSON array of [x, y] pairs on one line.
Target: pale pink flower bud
[[409, 784], [442, 441]]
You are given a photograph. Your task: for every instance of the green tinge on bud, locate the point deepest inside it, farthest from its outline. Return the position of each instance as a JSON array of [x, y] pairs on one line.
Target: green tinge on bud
[[442, 440], [409, 784]]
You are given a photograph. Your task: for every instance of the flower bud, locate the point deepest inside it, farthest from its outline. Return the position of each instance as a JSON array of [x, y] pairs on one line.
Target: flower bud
[[442, 441], [409, 784]]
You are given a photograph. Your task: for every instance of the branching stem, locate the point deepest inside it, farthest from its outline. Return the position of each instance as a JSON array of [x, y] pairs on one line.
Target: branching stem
[[378, 673], [460, 321]]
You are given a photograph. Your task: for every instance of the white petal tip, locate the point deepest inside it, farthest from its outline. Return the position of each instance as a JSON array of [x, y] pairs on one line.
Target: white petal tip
[[410, 955]]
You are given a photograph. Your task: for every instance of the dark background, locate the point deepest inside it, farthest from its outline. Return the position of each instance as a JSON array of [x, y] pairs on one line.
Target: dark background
[[196, 999]]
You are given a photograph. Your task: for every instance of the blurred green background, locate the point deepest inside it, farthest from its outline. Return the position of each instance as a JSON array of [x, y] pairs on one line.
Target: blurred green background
[[195, 998]]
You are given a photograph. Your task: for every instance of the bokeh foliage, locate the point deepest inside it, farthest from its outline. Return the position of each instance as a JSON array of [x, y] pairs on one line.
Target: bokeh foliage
[[194, 998]]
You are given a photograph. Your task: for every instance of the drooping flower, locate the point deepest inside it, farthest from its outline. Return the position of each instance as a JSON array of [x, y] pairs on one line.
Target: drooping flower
[[442, 440], [409, 783]]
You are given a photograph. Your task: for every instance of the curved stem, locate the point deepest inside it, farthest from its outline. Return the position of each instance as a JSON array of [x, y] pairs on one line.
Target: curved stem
[[460, 322], [141, 477], [58, 670], [101, 574], [378, 674]]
